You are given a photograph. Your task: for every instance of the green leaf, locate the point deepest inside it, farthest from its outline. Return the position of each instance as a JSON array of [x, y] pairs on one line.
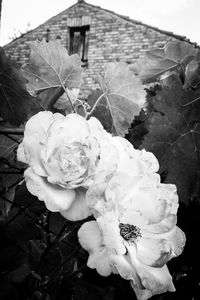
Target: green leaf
[[15, 101], [51, 67], [122, 96], [174, 136], [158, 61]]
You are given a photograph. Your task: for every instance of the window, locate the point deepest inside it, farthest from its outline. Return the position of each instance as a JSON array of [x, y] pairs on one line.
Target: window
[[78, 42]]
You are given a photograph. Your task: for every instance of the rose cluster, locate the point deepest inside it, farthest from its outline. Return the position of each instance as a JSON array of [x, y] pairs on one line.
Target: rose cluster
[[79, 169]]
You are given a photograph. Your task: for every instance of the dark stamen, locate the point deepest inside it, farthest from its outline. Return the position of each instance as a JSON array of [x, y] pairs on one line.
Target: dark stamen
[[130, 232]]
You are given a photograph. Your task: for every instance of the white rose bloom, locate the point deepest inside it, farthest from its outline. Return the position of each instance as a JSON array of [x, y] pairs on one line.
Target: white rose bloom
[[135, 232], [64, 154]]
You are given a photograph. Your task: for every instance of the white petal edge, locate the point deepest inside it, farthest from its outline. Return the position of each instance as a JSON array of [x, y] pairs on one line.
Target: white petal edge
[[55, 197]]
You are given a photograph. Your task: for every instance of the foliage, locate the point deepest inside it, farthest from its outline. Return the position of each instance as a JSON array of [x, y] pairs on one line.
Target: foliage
[[172, 118], [174, 56], [15, 102], [40, 254], [122, 95]]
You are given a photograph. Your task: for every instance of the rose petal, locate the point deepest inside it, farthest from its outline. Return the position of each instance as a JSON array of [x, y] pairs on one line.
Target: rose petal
[[90, 239], [141, 294], [157, 249], [122, 188], [32, 150], [39, 122], [157, 280], [153, 252], [126, 269], [151, 164], [67, 128], [155, 203], [128, 162], [34, 136], [78, 209], [95, 194], [165, 225], [21, 154], [90, 236], [55, 197], [109, 225]]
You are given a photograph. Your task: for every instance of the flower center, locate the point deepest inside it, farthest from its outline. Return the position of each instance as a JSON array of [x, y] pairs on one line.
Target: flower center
[[130, 232]]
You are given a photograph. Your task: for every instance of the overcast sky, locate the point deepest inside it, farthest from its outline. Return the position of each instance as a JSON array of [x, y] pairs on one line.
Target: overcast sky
[[179, 16]]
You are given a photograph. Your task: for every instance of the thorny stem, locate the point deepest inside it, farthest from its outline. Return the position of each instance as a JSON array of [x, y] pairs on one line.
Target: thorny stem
[[70, 101], [94, 106]]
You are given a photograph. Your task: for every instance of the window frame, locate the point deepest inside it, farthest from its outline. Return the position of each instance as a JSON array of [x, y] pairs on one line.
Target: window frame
[[83, 39]]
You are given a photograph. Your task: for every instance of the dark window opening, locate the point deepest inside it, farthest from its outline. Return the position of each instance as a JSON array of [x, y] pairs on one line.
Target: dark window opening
[[78, 42], [47, 38]]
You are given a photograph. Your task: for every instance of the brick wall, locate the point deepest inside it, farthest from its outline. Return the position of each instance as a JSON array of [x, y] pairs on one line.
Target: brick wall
[[111, 38]]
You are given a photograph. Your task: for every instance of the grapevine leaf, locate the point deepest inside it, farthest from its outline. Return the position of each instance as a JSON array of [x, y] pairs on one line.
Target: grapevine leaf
[[174, 136], [15, 102], [63, 104], [101, 112], [48, 97], [158, 61], [123, 96], [192, 73], [51, 67], [137, 130]]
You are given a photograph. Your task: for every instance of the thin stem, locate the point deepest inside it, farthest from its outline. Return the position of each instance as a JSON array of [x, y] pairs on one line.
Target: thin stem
[[193, 101], [95, 105], [83, 106], [70, 101]]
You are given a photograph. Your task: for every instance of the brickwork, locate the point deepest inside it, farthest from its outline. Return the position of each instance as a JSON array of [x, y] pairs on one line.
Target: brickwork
[[111, 38]]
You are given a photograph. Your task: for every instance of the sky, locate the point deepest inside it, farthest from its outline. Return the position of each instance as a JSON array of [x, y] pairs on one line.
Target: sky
[[178, 16]]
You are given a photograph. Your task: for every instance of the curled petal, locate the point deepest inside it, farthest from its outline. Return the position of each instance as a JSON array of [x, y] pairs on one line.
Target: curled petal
[[90, 236], [55, 197], [32, 150], [78, 209], [95, 124], [112, 239], [34, 135], [151, 164], [40, 122], [90, 239], [177, 240], [21, 154]]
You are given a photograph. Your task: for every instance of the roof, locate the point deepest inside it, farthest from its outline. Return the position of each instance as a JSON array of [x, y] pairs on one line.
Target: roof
[[125, 18]]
